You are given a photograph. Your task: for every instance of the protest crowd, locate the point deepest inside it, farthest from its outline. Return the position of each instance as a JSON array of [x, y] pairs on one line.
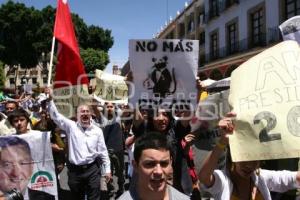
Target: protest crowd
[[157, 147]]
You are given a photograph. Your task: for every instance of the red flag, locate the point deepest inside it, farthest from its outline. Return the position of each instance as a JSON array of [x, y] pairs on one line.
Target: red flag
[[69, 67]]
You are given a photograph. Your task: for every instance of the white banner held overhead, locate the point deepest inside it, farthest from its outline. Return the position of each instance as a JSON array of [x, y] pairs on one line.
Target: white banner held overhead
[[110, 88], [164, 71], [290, 29]]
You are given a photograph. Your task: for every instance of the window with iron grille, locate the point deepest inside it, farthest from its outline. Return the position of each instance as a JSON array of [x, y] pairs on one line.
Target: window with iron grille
[[214, 8], [12, 81], [45, 80], [202, 38], [232, 38], [11, 71], [191, 25], [257, 20], [214, 45], [201, 59], [200, 18], [292, 8], [181, 30], [34, 80]]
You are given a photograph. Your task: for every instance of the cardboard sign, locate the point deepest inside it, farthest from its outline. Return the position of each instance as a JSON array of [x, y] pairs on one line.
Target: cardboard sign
[[265, 94], [67, 99], [110, 88]]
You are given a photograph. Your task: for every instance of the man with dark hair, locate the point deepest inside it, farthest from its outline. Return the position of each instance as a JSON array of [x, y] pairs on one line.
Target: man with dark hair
[[152, 166], [20, 120], [16, 164], [10, 106], [110, 122], [5, 127]]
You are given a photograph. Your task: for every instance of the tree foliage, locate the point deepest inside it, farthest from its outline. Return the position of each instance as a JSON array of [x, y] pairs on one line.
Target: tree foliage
[[18, 25], [25, 33], [99, 39], [2, 75], [94, 59]]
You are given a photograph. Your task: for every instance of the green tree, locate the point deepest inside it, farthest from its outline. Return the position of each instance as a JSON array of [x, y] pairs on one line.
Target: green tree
[[18, 25], [45, 32], [99, 39], [2, 75], [25, 33], [94, 59], [81, 30]]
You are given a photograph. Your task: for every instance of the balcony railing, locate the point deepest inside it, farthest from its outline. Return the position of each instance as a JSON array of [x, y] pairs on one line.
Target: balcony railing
[[244, 45]]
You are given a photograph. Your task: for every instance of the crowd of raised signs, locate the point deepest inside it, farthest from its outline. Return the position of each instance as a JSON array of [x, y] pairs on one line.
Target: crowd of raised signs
[[121, 127]]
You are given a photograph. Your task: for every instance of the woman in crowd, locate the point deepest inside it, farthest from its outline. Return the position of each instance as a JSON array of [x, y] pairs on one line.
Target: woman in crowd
[[242, 180]]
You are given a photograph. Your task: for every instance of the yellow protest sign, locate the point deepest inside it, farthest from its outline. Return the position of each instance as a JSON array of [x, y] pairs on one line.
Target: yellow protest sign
[[67, 99], [110, 88], [265, 94]]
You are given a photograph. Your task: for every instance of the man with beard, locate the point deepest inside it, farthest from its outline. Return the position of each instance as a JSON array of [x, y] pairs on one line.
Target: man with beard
[[153, 165], [86, 147]]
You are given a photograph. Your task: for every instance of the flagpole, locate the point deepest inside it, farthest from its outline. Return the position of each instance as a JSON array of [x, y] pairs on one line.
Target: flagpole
[[51, 62]]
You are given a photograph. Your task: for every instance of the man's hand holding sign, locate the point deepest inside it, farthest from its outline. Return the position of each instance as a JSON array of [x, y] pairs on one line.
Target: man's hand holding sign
[[267, 105]]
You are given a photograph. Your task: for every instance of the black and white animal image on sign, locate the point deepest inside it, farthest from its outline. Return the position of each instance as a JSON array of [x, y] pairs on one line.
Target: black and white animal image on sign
[[160, 79]]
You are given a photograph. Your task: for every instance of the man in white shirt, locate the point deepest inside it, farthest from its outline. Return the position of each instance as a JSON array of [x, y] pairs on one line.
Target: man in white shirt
[[86, 146]]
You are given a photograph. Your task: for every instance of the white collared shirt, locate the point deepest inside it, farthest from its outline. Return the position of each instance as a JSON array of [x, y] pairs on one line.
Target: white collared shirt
[[84, 145], [268, 180]]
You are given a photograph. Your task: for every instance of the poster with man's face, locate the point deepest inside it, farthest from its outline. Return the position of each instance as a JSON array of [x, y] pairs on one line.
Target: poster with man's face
[[26, 166]]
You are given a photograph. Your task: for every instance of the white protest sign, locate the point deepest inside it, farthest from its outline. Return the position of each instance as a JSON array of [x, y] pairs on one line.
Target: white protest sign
[[26, 164], [110, 88], [210, 111], [67, 99], [164, 71], [28, 89], [265, 94], [290, 29]]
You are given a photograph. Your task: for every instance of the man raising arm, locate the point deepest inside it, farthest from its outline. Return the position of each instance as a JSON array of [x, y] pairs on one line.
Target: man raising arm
[[86, 145]]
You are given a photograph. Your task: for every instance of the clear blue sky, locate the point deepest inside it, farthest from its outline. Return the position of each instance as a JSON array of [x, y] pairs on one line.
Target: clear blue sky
[[128, 19]]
